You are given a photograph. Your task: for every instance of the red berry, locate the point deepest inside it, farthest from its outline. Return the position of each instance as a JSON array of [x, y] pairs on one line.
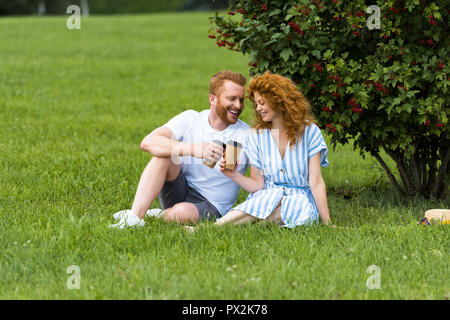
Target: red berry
[[394, 10], [431, 20], [358, 110]]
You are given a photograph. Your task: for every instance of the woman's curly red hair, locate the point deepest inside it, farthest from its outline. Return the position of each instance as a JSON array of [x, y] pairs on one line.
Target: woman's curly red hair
[[284, 96]]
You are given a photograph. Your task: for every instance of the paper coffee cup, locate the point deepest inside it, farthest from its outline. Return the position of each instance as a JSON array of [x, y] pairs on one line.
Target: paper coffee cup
[[232, 152], [210, 163]]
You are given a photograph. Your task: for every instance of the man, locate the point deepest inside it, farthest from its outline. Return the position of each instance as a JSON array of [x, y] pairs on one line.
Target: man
[[189, 190]]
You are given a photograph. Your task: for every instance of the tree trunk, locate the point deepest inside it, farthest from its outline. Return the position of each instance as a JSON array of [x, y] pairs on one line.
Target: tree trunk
[[41, 8], [84, 7], [422, 173]]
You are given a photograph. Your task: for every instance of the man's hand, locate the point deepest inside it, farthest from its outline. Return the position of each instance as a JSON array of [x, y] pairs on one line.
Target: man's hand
[[208, 150]]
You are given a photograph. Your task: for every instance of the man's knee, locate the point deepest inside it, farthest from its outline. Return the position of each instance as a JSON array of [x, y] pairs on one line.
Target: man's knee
[[183, 212], [166, 165]]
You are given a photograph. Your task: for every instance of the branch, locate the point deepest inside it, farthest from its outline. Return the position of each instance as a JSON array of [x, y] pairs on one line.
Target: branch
[[415, 174], [388, 171], [433, 169], [401, 169], [441, 174]]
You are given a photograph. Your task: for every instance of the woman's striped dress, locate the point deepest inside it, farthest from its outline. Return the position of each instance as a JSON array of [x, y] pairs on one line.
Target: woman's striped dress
[[285, 179]]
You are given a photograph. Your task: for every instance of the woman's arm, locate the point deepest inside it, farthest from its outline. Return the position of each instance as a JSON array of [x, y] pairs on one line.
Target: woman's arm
[[252, 184], [318, 188]]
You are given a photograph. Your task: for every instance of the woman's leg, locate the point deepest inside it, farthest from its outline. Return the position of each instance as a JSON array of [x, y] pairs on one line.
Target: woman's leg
[[235, 217], [240, 217], [275, 216]]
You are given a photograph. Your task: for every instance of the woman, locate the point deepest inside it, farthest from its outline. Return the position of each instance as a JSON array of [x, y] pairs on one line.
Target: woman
[[285, 150]]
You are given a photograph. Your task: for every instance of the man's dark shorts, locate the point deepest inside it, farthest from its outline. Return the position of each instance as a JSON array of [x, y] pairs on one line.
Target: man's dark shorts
[[178, 190]]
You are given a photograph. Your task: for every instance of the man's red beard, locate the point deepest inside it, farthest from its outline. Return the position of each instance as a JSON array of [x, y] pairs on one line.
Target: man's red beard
[[224, 114]]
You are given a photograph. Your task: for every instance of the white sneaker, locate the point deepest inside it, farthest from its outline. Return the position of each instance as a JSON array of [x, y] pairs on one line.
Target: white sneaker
[[156, 212], [120, 214], [127, 219]]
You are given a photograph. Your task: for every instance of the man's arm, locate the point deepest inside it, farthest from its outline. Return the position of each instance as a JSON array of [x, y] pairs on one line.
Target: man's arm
[[161, 143]]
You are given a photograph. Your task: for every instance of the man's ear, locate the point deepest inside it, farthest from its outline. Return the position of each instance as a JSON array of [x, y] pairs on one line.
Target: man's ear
[[212, 100]]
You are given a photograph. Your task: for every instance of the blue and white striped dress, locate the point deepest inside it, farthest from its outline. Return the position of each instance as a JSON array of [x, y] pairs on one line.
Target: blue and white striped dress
[[285, 179]]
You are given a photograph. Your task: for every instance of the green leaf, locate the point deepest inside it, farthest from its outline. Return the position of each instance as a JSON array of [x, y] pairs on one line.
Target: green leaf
[[303, 59], [316, 53], [288, 17], [286, 53], [274, 12], [328, 54]]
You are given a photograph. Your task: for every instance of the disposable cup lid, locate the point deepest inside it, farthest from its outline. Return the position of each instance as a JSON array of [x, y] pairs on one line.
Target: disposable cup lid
[[220, 143], [234, 143]]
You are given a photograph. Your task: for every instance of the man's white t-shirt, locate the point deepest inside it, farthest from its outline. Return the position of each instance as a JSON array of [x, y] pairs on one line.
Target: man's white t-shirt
[[193, 127]]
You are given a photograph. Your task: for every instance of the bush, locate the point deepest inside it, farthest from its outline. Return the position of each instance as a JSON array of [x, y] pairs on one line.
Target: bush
[[385, 89]]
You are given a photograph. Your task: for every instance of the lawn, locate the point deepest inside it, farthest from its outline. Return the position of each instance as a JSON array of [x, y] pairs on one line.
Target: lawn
[[74, 107]]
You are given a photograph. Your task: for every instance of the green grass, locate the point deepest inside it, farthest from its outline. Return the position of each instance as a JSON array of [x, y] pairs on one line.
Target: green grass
[[74, 106]]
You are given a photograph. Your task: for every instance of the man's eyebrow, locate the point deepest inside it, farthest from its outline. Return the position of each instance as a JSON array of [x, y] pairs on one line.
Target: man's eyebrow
[[232, 97]]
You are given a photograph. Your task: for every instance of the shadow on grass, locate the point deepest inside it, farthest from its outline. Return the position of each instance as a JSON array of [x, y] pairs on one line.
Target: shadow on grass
[[350, 206]]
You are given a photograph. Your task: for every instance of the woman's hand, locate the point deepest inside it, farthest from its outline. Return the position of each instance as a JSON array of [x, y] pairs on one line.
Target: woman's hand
[[229, 173], [327, 222]]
